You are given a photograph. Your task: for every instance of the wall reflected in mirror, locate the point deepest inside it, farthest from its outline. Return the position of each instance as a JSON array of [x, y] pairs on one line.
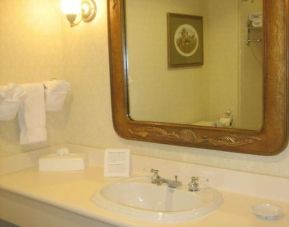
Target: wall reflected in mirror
[[226, 90]]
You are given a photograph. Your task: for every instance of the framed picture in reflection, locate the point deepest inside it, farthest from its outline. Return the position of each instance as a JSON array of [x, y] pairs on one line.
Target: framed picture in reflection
[[185, 40]]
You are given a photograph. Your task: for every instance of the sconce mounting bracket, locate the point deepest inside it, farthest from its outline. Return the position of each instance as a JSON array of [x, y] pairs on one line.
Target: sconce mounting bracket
[[88, 8]]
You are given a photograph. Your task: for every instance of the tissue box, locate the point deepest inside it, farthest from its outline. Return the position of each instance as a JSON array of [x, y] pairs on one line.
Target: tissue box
[[67, 162]]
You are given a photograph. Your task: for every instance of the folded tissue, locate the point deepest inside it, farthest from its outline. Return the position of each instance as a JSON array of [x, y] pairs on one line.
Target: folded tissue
[[62, 160]]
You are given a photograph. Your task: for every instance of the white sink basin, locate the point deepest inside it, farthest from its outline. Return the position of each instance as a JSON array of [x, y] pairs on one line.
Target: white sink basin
[[137, 197]]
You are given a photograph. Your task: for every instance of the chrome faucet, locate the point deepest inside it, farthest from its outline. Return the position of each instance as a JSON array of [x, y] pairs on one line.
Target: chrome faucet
[[156, 179]]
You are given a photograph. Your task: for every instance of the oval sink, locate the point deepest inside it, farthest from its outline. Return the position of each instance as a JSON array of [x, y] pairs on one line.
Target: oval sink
[[137, 197]]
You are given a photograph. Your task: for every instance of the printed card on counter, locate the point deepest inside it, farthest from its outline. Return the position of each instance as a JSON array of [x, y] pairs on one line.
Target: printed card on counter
[[117, 163]]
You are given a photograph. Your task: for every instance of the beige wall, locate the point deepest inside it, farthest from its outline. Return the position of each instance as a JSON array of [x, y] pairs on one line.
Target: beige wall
[[153, 86], [89, 120], [191, 94], [31, 50], [223, 59], [251, 75]]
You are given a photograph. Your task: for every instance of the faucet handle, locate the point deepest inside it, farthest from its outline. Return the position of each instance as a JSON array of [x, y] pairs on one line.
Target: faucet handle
[[194, 184], [155, 178], [155, 171], [195, 179]]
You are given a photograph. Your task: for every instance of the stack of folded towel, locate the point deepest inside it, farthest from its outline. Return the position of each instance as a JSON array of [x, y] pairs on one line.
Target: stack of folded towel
[[30, 102], [256, 19], [55, 93]]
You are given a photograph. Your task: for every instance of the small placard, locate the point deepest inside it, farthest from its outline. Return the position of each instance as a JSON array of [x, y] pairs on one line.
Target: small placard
[[117, 162]]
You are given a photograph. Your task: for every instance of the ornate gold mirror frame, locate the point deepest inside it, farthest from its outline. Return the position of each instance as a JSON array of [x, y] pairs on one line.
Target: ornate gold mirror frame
[[270, 140]]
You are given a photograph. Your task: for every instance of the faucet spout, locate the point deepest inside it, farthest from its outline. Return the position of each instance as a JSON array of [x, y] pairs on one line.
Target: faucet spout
[[173, 183], [156, 179]]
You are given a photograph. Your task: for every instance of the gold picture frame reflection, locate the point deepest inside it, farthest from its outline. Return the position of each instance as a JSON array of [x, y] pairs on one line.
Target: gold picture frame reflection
[[185, 40]]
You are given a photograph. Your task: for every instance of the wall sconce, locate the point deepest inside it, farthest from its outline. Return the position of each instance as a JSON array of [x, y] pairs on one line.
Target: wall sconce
[[78, 10]]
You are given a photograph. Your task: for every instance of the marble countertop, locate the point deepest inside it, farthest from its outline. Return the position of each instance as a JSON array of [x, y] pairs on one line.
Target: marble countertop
[[73, 191]]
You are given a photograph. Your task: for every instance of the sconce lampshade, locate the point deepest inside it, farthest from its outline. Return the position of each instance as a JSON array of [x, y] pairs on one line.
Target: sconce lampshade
[[78, 10]]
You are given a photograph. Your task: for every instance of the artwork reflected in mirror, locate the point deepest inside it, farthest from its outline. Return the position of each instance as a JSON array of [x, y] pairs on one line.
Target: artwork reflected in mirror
[[196, 62], [185, 40]]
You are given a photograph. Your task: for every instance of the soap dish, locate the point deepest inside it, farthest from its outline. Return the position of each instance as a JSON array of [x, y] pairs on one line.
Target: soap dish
[[267, 211]]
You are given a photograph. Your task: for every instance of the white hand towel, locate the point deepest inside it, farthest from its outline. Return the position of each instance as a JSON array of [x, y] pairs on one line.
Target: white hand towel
[[257, 16], [12, 92], [32, 116], [257, 24], [55, 94], [10, 98]]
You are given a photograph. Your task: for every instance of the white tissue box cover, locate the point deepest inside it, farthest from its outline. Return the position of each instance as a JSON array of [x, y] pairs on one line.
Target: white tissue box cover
[[68, 162]]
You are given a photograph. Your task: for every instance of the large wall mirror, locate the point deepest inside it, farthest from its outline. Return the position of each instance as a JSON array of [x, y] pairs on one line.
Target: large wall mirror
[[210, 74]]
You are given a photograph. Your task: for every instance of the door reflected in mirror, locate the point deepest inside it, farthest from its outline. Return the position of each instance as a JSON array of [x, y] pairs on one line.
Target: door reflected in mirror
[[225, 87]]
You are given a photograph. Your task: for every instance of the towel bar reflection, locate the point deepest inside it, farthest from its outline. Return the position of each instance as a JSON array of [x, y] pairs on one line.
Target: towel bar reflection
[[248, 41], [251, 28]]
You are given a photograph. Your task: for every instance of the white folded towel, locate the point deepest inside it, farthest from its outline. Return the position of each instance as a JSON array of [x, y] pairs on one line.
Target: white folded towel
[[225, 122], [257, 16], [32, 115], [10, 98], [55, 94], [257, 24]]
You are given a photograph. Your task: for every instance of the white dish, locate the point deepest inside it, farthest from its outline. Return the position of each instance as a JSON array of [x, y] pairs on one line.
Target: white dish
[[267, 211]]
